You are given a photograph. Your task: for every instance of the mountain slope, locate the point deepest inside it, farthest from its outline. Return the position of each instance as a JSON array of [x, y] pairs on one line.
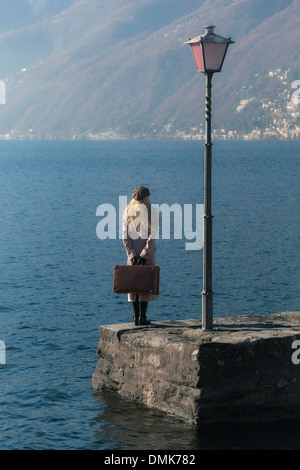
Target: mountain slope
[[123, 66]]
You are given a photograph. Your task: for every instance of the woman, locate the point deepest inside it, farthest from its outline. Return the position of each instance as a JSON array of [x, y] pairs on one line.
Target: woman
[[140, 223]]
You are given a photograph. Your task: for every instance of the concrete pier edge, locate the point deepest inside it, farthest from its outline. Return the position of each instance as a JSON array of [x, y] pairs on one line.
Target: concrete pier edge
[[247, 369]]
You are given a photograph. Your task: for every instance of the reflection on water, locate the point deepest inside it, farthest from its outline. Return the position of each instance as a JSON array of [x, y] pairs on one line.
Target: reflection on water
[[125, 425], [129, 425]]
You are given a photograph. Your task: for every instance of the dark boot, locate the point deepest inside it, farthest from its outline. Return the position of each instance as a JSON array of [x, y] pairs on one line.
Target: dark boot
[[136, 312], [143, 319]]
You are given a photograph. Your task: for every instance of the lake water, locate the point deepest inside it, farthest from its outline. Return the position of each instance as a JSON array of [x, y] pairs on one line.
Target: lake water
[[56, 279]]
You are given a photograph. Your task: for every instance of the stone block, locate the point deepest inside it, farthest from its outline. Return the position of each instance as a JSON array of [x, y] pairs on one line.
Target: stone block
[[241, 371]]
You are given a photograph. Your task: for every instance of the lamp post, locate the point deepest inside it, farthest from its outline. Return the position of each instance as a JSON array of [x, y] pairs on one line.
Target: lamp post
[[209, 52]]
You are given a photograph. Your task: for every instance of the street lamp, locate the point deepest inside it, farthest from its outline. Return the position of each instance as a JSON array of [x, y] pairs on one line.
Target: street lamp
[[209, 52]]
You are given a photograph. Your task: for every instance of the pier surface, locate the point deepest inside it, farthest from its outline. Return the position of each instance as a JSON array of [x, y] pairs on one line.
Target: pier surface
[[247, 369]]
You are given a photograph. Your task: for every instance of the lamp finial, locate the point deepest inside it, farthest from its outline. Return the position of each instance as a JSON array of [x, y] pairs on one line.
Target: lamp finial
[[209, 29]]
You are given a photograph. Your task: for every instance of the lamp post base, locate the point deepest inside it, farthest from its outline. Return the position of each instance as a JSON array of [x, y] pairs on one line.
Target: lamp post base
[[207, 310]]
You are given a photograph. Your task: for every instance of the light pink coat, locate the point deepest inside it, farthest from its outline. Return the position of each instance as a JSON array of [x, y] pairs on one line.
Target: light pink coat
[[145, 248]]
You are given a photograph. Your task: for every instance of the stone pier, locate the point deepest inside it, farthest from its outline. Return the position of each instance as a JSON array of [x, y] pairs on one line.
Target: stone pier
[[244, 370]]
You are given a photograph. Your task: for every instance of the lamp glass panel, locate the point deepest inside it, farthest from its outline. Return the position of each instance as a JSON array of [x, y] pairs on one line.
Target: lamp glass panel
[[214, 53], [198, 56]]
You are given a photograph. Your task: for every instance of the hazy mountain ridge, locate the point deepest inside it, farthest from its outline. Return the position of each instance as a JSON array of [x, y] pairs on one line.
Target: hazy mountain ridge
[[122, 69]]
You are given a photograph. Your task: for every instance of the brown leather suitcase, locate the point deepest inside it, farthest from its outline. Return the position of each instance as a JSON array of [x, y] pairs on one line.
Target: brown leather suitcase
[[137, 278]]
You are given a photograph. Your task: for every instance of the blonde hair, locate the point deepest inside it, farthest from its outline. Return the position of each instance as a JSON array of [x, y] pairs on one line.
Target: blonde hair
[[132, 215]]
